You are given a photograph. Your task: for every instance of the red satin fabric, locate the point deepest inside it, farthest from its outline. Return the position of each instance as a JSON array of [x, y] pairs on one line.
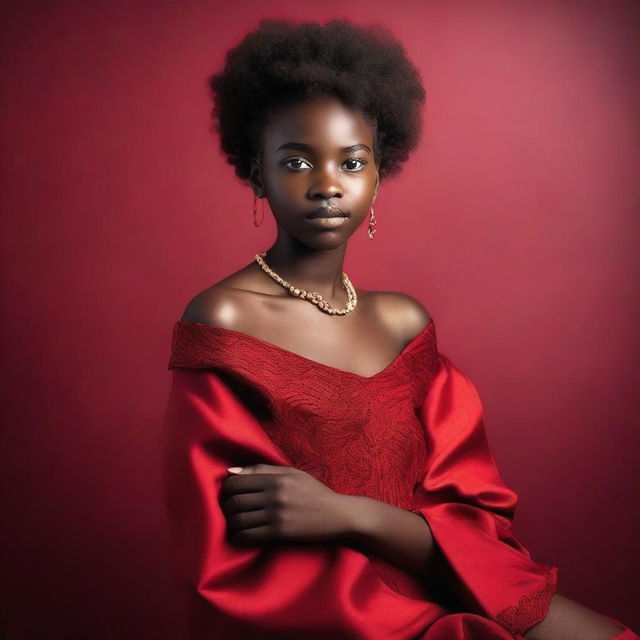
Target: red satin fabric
[[412, 436]]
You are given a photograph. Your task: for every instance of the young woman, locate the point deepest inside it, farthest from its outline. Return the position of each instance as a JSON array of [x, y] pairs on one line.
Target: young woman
[[327, 469]]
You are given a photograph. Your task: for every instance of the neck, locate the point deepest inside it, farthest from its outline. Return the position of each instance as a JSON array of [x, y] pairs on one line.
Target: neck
[[310, 269]]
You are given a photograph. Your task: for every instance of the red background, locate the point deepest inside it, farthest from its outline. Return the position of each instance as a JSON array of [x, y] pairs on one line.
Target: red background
[[515, 223]]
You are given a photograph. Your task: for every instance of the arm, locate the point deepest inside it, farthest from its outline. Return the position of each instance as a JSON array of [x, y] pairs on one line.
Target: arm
[[264, 590], [394, 534]]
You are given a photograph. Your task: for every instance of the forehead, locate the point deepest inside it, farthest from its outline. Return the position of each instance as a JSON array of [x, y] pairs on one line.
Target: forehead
[[323, 121]]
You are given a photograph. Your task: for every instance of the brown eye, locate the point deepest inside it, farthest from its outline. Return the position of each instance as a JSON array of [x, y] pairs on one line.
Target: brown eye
[[362, 163], [286, 163]]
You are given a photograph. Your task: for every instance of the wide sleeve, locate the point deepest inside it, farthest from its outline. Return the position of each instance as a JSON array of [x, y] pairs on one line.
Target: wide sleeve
[[470, 511], [207, 428]]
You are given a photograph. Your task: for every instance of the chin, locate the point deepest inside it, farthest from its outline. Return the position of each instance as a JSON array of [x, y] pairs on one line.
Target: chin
[[326, 240]]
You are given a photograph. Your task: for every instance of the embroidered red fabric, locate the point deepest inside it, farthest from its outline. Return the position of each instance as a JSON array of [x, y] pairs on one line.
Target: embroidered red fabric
[[412, 436]]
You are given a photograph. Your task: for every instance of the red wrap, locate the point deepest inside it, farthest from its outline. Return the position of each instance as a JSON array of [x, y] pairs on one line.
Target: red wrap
[[412, 436]]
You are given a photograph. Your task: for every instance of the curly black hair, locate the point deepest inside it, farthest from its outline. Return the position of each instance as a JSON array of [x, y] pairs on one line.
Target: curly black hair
[[282, 62]]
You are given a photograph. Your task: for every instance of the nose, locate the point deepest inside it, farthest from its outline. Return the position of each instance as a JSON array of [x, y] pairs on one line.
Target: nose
[[326, 185]]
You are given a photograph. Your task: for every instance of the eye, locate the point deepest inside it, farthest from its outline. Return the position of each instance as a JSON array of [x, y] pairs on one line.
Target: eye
[[286, 162], [362, 163]]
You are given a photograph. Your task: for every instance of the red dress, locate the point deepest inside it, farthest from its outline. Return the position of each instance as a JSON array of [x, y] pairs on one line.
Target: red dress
[[412, 436]]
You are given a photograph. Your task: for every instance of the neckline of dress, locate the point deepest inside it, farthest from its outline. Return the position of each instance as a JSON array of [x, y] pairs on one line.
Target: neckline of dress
[[270, 345]]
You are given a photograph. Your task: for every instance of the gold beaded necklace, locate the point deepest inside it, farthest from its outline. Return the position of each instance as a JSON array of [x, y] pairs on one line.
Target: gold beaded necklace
[[313, 296]]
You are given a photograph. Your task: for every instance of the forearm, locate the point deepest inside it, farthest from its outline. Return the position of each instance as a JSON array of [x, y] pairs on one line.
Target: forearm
[[396, 535]]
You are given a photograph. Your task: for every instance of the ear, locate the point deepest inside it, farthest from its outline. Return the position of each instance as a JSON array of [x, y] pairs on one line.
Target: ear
[[375, 190], [255, 178]]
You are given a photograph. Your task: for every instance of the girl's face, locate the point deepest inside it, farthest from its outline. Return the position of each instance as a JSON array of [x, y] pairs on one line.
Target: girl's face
[[319, 153]]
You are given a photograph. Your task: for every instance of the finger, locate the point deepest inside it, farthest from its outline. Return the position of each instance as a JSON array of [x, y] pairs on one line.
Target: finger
[[242, 484], [247, 520], [243, 502], [255, 535], [260, 468]]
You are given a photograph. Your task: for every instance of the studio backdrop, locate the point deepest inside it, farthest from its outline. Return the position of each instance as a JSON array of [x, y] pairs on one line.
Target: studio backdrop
[[515, 223]]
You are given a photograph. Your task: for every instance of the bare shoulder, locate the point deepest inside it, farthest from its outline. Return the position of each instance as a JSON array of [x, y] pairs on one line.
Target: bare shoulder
[[227, 302], [402, 313], [218, 306]]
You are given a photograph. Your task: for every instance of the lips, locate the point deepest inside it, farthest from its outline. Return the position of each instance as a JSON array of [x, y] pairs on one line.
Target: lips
[[328, 212]]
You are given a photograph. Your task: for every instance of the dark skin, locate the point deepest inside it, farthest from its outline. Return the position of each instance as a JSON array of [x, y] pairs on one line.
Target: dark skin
[[269, 503]]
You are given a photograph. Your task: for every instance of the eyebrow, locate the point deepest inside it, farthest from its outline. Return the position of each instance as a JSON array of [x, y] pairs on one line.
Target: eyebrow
[[300, 146]]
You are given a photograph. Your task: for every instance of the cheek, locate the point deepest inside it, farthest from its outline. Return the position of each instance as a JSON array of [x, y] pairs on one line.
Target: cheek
[[286, 198], [283, 184], [362, 192]]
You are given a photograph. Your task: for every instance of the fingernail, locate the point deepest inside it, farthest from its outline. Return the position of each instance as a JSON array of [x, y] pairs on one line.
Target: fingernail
[[235, 469]]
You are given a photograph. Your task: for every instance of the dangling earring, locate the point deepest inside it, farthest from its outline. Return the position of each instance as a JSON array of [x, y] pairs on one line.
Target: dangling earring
[[372, 224], [255, 204]]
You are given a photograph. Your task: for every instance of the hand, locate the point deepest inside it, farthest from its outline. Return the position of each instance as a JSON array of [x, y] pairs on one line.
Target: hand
[[266, 502]]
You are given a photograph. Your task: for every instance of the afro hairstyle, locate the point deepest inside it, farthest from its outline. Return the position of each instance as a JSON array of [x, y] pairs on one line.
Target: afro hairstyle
[[282, 63]]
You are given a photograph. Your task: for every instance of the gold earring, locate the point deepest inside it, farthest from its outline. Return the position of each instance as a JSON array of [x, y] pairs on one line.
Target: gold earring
[[372, 224], [255, 204]]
